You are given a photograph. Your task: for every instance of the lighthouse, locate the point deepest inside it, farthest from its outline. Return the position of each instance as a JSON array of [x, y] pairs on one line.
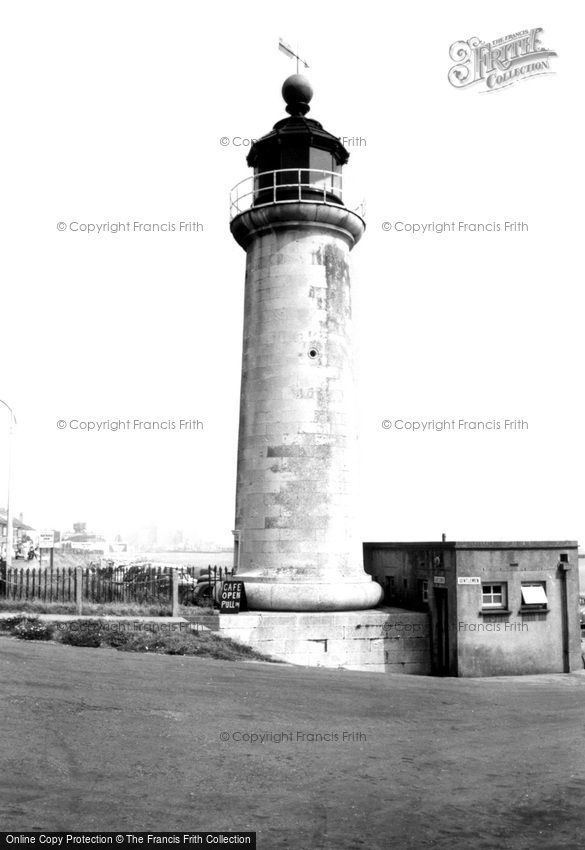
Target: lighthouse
[[295, 531]]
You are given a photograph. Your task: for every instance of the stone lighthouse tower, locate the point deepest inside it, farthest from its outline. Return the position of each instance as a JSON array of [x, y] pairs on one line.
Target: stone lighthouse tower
[[295, 530]]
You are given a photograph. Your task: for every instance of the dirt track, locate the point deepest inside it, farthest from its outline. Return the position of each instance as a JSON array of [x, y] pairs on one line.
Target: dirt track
[[102, 740]]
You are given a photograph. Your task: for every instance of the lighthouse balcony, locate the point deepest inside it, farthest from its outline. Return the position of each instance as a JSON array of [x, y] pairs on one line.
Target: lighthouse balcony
[[289, 185]]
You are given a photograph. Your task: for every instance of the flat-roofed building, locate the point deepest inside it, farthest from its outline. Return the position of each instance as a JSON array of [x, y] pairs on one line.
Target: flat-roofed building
[[495, 608]]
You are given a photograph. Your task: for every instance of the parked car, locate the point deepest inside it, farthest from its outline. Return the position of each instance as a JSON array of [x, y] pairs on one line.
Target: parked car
[[146, 577], [209, 585]]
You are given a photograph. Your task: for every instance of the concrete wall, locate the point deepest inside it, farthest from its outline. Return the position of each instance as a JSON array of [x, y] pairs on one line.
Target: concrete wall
[[521, 642], [382, 641]]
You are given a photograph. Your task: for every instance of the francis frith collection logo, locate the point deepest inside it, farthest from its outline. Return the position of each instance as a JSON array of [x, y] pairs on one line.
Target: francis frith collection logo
[[494, 65]]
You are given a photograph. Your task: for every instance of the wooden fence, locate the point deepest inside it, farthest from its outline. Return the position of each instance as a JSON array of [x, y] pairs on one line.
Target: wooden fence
[[137, 583]]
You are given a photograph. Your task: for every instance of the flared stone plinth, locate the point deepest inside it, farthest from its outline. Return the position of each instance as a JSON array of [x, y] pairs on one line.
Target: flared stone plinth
[[270, 595]]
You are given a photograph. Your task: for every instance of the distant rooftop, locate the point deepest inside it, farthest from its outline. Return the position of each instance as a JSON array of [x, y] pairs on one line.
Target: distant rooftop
[[16, 523]]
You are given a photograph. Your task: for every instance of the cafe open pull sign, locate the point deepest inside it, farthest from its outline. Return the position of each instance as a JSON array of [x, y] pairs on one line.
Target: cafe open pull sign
[[233, 597]]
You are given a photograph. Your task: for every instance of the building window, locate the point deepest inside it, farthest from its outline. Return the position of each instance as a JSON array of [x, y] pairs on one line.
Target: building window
[[534, 596], [494, 595], [424, 590]]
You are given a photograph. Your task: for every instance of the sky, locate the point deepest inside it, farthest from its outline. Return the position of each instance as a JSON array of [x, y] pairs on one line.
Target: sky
[[115, 112]]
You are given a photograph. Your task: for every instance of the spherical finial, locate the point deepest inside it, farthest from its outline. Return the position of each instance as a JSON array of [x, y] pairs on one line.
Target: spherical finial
[[297, 92]]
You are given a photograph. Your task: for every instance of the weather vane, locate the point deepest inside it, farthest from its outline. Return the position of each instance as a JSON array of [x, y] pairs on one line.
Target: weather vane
[[288, 51]]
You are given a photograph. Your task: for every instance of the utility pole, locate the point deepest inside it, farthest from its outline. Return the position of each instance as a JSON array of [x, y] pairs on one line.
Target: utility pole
[[9, 529]]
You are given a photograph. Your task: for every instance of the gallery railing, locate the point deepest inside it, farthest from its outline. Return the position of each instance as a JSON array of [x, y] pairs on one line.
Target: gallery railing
[[289, 185]]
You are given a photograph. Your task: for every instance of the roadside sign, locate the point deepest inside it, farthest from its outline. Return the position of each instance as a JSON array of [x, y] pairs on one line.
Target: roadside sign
[[46, 539], [469, 580], [233, 596], [438, 579]]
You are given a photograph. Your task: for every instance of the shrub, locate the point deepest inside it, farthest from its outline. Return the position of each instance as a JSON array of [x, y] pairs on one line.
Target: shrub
[[80, 633], [116, 639], [93, 633], [31, 628], [8, 624]]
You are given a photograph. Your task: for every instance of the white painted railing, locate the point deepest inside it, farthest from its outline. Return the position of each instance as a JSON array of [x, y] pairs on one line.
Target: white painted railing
[[289, 185]]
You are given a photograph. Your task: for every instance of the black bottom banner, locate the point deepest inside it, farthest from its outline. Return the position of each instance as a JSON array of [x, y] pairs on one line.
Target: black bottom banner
[[129, 839]]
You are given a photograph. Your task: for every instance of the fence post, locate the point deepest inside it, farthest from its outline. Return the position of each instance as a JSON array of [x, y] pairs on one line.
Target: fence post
[[175, 592], [78, 589]]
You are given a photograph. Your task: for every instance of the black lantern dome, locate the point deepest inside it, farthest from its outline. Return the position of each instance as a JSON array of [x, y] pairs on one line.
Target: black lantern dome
[[298, 159]]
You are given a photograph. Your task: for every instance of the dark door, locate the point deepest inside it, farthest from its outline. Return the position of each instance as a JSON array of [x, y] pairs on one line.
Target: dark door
[[563, 567], [442, 631]]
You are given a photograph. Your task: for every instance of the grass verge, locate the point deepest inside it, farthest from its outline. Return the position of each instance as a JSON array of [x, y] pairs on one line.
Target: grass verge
[[97, 633]]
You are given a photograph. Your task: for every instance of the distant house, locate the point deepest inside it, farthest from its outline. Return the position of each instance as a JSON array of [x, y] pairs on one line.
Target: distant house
[[20, 528], [20, 531]]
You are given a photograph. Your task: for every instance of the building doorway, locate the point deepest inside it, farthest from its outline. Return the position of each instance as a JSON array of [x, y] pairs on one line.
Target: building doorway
[[441, 632]]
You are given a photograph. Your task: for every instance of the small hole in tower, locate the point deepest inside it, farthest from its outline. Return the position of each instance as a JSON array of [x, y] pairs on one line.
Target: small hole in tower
[[313, 353]]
